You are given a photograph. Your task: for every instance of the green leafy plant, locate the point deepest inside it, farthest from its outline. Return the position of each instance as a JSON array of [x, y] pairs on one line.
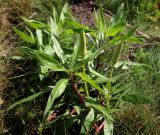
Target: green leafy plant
[[81, 74]]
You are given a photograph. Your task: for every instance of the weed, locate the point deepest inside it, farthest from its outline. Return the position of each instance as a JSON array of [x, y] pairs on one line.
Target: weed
[[80, 82]]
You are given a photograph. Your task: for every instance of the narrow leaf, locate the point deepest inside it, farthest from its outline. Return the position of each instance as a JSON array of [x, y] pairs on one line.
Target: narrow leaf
[[75, 53], [27, 99], [108, 127], [90, 81], [58, 49], [114, 30], [24, 36], [105, 111], [43, 59], [39, 38], [88, 122], [116, 55], [56, 92], [35, 24]]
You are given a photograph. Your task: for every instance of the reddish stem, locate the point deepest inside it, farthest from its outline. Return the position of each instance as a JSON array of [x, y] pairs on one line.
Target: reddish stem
[[94, 126], [98, 129], [77, 92], [72, 111]]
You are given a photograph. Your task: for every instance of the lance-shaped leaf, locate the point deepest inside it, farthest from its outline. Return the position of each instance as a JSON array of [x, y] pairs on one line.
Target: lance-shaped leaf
[[56, 92], [105, 111], [77, 27], [62, 15], [114, 30], [39, 38], [58, 49], [24, 36], [83, 44], [100, 76], [88, 122], [75, 53], [108, 127], [90, 81], [27, 99], [54, 27], [116, 55], [43, 59], [35, 24]]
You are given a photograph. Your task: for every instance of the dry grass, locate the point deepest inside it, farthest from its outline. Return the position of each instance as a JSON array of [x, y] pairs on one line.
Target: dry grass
[[137, 120], [10, 10]]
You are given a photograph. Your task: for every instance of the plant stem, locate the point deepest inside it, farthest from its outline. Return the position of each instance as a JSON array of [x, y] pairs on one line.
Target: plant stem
[[98, 129], [85, 83], [83, 36], [114, 61], [79, 95]]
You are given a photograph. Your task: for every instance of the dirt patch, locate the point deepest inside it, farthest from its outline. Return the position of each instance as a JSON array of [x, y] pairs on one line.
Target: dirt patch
[[83, 11]]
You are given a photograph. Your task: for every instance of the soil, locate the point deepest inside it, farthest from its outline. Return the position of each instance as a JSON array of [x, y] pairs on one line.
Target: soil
[[82, 10]]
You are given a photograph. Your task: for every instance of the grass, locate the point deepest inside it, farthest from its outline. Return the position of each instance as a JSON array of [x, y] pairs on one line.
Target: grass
[[137, 120], [10, 11]]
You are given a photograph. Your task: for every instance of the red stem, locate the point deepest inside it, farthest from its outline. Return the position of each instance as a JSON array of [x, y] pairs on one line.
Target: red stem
[[72, 111], [79, 95], [98, 129], [94, 125]]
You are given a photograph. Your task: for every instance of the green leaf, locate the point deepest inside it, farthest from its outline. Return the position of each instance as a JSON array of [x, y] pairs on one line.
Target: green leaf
[[77, 27], [105, 111], [133, 39], [56, 92], [137, 99], [117, 90], [54, 27], [58, 49], [62, 127], [55, 14], [114, 30], [90, 81], [116, 55], [126, 64], [62, 15], [24, 36], [27, 99], [100, 76], [90, 57], [49, 50], [35, 24], [83, 44], [43, 59], [108, 127], [39, 38], [88, 122], [75, 53], [120, 16]]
